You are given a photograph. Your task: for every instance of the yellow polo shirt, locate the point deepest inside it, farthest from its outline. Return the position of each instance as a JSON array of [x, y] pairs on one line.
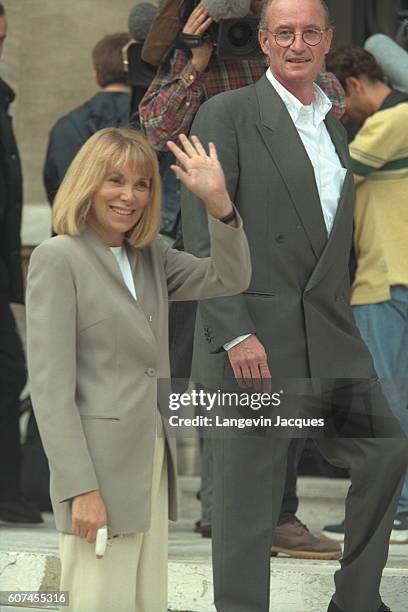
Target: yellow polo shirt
[[380, 163]]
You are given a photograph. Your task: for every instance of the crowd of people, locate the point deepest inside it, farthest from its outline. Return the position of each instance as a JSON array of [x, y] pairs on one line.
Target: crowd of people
[[289, 262]]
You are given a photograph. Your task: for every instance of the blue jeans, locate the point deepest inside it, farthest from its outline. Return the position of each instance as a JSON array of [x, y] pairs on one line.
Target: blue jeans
[[384, 329]]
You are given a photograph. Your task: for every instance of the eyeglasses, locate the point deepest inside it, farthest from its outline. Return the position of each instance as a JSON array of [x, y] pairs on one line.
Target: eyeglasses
[[286, 38]]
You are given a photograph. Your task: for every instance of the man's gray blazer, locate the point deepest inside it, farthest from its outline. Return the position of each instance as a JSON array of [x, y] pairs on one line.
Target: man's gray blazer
[[298, 299]]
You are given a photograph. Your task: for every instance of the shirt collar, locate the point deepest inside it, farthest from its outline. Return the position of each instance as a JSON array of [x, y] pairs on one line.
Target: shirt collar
[[321, 104]]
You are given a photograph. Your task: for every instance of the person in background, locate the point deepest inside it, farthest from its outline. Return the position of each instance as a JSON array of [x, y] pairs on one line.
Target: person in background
[[13, 507], [379, 294], [141, 75], [108, 108], [182, 84]]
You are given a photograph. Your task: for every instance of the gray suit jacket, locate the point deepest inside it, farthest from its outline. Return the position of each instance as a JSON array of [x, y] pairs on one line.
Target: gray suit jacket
[[298, 299], [95, 354]]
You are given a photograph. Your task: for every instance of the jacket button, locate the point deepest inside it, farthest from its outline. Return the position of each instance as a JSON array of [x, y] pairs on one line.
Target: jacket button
[[280, 238], [151, 372]]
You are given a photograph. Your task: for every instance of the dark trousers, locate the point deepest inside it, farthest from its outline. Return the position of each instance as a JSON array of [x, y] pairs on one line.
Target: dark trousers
[[290, 500], [182, 316], [12, 381], [249, 479]]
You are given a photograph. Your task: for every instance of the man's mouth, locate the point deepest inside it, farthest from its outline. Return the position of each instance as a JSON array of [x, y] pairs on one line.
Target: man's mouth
[[298, 60], [125, 212]]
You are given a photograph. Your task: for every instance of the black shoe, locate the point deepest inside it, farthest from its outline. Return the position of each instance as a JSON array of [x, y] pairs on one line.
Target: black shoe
[[205, 530], [333, 608], [334, 532], [19, 511], [399, 533]]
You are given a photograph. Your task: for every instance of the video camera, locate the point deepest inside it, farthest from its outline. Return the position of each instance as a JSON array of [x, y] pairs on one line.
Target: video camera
[[234, 38]]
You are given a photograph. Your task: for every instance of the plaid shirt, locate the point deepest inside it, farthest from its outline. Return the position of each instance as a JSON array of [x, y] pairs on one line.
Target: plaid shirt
[[178, 90]]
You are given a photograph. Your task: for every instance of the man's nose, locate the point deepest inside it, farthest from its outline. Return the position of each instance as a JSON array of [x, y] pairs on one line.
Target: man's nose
[[298, 44]]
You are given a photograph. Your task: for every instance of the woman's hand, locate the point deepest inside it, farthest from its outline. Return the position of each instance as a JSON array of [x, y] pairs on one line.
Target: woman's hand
[[197, 24], [88, 515], [202, 174]]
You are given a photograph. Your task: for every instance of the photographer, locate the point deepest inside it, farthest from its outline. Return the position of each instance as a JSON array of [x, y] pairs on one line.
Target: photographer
[[185, 80]]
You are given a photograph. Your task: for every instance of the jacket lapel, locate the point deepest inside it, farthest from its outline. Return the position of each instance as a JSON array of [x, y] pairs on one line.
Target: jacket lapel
[[106, 266], [338, 139], [106, 263], [341, 147], [145, 280], [288, 152]]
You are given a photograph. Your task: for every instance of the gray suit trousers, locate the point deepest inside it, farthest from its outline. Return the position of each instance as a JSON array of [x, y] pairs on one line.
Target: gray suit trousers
[[249, 476]]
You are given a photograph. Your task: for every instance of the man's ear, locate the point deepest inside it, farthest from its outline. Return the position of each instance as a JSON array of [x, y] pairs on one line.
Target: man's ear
[[329, 40], [95, 75], [263, 41], [353, 84]]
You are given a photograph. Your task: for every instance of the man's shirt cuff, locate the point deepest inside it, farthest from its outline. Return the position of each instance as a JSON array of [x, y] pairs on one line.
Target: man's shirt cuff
[[228, 345]]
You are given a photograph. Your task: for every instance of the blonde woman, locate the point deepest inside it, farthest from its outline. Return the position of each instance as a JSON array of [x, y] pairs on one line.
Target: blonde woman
[[97, 302]]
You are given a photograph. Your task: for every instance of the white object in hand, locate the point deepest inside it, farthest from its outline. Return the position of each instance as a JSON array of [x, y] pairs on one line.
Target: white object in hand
[[101, 541]]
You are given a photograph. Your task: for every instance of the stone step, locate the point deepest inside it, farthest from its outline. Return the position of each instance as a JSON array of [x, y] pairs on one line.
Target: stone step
[[296, 586], [309, 487], [29, 557]]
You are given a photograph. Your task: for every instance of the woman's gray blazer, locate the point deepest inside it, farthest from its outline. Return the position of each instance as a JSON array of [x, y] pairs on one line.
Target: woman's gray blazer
[[95, 354]]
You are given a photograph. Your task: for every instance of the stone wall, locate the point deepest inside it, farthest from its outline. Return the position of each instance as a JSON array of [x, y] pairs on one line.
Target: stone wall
[[47, 60]]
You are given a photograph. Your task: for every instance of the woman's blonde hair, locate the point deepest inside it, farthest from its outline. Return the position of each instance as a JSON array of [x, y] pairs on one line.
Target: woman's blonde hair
[[106, 151]]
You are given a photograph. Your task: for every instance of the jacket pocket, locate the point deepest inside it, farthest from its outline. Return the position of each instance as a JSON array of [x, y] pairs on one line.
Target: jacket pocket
[[261, 294], [90, 325], [97, 417]]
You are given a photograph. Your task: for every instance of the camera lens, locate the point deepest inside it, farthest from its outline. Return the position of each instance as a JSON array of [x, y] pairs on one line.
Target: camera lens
[[240, 34]]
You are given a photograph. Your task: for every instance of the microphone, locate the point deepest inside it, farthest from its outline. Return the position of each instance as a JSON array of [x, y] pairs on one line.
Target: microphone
[[392, 59], [140, 19], [227, 9]]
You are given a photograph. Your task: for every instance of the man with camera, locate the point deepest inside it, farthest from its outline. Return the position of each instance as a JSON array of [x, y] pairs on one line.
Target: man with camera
[[286, 160]]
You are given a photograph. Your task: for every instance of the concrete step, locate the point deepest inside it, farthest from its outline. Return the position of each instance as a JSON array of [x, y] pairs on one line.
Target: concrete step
[[296, 585], [29, 558], [309, 487]]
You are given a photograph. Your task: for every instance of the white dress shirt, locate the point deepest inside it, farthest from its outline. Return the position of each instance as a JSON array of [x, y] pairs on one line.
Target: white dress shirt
[[328, 170], [124, 266]]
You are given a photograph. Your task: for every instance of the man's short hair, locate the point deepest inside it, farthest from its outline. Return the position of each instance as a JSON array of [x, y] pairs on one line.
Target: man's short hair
[[2, 10], [353, 62], [108, 61], [267, 3]]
